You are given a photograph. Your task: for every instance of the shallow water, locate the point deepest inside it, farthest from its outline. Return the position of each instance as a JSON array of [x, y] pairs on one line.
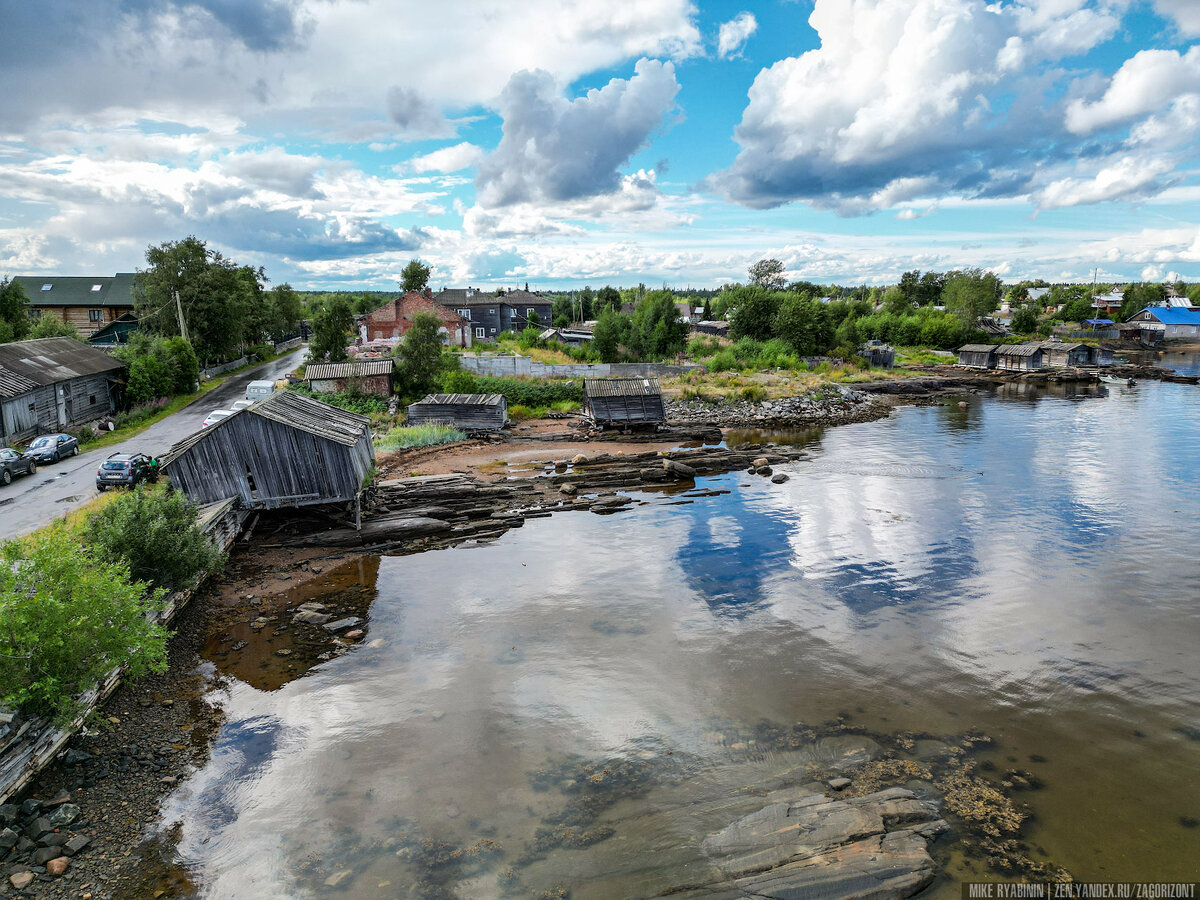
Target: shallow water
[[1024, 564]]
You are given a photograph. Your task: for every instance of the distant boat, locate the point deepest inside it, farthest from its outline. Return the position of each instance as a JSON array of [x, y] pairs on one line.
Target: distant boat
[[1113, 379]]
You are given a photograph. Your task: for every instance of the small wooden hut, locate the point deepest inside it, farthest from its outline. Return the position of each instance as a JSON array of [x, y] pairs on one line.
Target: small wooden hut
[[284, 451], [977, 356], [626, 402], [1025, 357], [371, 376], [471, 413], [878, 354], [1059, 355]]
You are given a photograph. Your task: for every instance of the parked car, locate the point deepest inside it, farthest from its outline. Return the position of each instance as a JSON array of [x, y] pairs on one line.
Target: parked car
[[216, 416], [240, 404], [52, 447], [126, 470], [13, 463], [258, 390]]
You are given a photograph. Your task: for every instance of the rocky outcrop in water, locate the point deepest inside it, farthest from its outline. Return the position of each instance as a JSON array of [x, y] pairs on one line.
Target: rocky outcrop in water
[[832, 404]]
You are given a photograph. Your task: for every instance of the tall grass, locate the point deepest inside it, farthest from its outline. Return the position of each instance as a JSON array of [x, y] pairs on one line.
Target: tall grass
[[405, 437]]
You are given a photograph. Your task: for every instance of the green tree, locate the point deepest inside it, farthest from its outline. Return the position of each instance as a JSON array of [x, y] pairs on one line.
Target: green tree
[[606, 338], [14, 315], [560, 311], [768, 273], [971, 293], [897, 302], [68, 618], [415, 276], [804, 324], [332, 325], [929, 293], [753, 309], [288, 310], [420, 356], [587, 305], [707, 310], [910, 286], [1138, 296], [46, 327], [220, 299], [153, 533], [657, 331], [1025, 319], [609, 296]]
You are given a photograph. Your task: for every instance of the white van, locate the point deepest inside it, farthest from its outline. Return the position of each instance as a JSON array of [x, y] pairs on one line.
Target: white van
[[258, 390]]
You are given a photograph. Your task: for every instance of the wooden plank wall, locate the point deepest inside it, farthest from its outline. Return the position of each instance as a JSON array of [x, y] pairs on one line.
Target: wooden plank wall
[[463, 416]]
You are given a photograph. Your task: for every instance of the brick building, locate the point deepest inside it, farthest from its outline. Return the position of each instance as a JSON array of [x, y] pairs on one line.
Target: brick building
[[391, 321]]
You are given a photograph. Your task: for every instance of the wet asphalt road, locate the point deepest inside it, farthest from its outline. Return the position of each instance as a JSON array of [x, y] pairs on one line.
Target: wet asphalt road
[[33, 500]]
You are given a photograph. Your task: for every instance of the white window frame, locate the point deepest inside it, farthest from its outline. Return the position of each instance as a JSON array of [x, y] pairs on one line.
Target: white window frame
[[465, 313], [529, 311], [95, 315], [480, 332]]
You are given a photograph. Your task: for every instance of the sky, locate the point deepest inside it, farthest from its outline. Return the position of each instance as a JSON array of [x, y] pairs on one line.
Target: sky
[[568, 142]]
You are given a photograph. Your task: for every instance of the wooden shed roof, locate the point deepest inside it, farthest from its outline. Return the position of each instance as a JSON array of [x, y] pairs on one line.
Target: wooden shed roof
[[51, 360], [621, 387], [293, 410], [977, 348], [1019, 350], [462, 399], [13, 385], [361, 369]]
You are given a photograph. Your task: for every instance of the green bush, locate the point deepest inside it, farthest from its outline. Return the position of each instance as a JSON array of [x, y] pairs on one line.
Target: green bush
[[260, 352], [352, 401], [407, 436], [544, 392], [68, 618], [154, 534]]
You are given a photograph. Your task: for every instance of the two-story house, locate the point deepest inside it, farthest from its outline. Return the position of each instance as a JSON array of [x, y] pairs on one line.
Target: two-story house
[[489, 314], [85, 302]]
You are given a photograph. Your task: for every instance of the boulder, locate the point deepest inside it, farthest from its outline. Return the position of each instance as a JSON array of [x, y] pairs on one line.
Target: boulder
[[678, 469], [21, 880], [764, 471], [311, 617], [760, 461], [343, 624], [8, 839], [76, 844], [57, 866], [779, 478]]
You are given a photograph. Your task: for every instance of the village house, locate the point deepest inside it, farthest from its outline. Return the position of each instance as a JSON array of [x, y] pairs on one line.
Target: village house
[[373, 376], [54, 383], [392, 321], [284, 451], [467, 412], [1025, 357], [977, 356], [489, 314], [1174, 323], [84, 302], [623, 402]]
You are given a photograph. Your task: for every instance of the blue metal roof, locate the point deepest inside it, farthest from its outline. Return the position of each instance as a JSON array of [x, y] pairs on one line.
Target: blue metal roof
[[1172, 315], [1099, 322]]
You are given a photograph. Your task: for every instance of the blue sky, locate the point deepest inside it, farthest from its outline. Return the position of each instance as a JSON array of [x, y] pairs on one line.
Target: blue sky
[[564, 143]]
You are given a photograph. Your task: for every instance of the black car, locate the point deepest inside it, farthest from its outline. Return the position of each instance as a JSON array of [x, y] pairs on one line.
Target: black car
[[52, 447], [13, 463], [126, 470]]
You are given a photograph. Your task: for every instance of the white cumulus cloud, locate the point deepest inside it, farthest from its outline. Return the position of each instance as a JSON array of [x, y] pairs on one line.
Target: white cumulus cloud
[[448, 159], [1147, 82], [732, 35]]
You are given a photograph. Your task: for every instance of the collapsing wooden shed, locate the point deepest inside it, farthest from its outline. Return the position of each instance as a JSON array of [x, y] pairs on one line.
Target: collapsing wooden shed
[[467, 412], [624, 401], [284, 451]]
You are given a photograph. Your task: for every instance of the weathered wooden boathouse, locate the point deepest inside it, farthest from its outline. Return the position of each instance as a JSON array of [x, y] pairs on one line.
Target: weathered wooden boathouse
[[1019, 357], [878, 354], [624, 402], [371, 376], [1061, 355], [50, 384], [471, 413], [284, 451], [977, 356]]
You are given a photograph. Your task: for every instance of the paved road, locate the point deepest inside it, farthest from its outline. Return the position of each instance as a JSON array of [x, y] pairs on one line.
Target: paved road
[[33, 500]]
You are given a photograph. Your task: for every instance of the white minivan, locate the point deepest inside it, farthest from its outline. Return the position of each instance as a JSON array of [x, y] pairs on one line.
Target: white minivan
[[258, 390]]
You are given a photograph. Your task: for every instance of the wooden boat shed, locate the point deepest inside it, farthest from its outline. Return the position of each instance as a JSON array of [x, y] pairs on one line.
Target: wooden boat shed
[[1026, 357], [623, 401], [467, 412], [371, 376], [284, 451], [977, 356], [1059, 354]]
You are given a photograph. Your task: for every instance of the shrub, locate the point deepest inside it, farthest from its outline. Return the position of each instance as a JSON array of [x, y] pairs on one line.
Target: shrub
[[353, 401], [407, 436], [87, 436], [260, 352], [755, 393], [69, 617], [154, 534], [528, 393]]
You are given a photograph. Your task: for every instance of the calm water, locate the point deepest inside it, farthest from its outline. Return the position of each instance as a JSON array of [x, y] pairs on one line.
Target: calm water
[[1026, 564]]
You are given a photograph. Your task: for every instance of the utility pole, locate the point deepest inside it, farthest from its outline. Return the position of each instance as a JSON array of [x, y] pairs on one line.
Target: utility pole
[[182, 320]]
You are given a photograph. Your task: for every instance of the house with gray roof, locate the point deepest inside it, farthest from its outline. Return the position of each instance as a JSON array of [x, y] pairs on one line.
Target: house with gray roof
[[490, 313]]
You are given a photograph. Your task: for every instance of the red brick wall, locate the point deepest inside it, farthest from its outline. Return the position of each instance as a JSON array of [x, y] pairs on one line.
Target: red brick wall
[[393, 320]]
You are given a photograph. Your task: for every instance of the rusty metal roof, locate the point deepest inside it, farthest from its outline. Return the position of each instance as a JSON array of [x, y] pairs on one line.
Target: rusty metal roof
[[13, 385], [462, 399], [293, 410], [362, 369], [621, 387], [51, 360]]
